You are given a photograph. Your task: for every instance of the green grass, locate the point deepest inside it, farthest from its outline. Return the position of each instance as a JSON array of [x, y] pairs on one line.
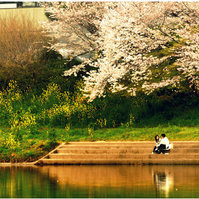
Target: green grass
[[135, 134], [30, 148], [123, 133]]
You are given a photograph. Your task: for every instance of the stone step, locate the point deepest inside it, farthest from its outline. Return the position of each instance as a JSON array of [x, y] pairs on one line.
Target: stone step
[[121, 143], [118, 162], [104, 147], [113, 151], [124, 156], [123, 147], [122, 153], [109, 144]]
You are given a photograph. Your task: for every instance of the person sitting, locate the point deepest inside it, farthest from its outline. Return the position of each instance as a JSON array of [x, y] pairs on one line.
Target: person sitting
[[157, 141], [164, 145]]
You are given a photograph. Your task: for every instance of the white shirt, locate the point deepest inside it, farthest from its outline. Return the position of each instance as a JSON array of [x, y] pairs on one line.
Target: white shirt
[[165, 141], [158, 143]]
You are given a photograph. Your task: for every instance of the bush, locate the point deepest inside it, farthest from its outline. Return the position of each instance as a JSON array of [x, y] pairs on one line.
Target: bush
[[21, 47]]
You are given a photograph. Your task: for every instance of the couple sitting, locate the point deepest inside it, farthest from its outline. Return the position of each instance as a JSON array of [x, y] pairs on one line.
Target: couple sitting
[[162, 145]]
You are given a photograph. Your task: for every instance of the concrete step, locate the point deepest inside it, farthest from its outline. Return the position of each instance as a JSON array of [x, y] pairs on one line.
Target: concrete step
[[113, 151], [109, 143], [123, 156], [121, 143], [122, 153], [102, 147], [118, 162]]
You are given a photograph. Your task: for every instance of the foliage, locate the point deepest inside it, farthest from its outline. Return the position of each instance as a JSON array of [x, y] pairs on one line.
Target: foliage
[[52, 137], [22, 45], [24, 57], [72, 26], [36, 123], [143, 46], [91, 128], [55, 108]]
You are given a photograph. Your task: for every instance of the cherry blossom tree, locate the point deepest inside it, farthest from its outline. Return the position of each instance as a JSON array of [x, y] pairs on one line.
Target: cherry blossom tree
[[143, 46], [74, 25]]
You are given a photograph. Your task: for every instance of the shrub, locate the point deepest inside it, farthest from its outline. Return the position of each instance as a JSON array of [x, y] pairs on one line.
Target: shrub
[[52, 137], [21, 47]]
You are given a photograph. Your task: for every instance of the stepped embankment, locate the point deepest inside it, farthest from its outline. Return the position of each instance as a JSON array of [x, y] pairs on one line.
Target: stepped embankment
[[121, 153]]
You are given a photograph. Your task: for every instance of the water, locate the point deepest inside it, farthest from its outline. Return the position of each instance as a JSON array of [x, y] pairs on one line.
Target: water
[[99, 181]]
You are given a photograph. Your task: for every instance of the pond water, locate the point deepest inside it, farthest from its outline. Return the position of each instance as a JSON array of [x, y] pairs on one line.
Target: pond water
[[99, 181]]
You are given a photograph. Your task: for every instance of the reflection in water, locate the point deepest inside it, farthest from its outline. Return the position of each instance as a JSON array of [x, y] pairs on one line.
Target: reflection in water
[[99, 181], [163, 182]]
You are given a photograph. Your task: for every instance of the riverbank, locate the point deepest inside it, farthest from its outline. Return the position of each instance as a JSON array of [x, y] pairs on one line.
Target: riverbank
[[174, 133], [34, 146]]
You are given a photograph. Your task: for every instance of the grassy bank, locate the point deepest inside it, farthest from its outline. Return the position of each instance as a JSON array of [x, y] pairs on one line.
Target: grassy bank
[[132, 134], [30, 149], [33, 147], [36, 123]]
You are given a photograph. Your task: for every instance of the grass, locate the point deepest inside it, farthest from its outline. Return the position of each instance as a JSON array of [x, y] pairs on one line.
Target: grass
[[174, 133], [30, 148]]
